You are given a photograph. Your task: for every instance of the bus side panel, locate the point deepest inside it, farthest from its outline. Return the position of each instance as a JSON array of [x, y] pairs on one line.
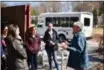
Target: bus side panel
[[87, 20]]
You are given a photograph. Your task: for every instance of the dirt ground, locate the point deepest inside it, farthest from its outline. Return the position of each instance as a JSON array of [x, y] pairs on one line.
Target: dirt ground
[[97, 34]]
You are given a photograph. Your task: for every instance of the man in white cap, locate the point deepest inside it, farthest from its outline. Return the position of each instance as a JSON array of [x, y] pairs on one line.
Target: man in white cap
[[78, 58]]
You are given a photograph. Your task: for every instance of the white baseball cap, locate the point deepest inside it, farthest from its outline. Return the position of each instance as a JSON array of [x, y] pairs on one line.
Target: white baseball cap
[[79, 24]]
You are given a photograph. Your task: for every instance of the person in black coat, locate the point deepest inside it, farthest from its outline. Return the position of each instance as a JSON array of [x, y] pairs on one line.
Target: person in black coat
[[51, 39]]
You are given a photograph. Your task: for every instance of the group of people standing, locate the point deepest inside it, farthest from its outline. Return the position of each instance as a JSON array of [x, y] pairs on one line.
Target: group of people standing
[[17, 54]]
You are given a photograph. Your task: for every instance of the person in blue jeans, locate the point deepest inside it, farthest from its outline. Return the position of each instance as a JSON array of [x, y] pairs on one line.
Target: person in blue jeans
[[51, 38], [32, 41], [3, 45], [32, 61], [78, 58]]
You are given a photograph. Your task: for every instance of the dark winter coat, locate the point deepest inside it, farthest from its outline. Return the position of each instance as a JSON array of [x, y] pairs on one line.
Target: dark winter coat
[[47, 38]]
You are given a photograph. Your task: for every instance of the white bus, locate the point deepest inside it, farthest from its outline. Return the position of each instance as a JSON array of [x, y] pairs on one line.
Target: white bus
[[63, 22]]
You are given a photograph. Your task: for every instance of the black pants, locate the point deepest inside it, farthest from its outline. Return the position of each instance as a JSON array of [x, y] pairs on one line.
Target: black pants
[[51, 53]]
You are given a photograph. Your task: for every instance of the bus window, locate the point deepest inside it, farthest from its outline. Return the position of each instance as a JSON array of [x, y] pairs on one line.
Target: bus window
[[54, 20], [48, 20], [72, 20], [62, 21], [68, 21], [86, 22]]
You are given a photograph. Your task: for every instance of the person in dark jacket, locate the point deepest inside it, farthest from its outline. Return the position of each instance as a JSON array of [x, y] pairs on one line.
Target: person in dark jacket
[[33, 42], [4, 32], [17, 57], [51, 38], [78, 58]]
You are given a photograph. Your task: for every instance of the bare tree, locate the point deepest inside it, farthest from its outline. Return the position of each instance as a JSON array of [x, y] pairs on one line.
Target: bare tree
[[49, 7], [66, 6], [86, 6]]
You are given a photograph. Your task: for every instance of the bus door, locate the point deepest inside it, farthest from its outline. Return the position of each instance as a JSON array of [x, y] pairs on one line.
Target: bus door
[[87, 25]]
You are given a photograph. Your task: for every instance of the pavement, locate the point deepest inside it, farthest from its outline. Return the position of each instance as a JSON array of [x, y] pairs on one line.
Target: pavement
[[62, 56]]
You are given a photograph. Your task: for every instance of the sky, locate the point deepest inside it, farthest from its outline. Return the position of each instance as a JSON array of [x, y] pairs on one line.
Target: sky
[[21, 3], [32, 2]]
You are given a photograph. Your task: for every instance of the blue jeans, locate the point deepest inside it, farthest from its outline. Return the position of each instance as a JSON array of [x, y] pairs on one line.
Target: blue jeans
[[32, 61], [51, 53]]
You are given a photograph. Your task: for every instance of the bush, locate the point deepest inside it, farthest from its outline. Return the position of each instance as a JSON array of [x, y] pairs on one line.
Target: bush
[[40, 61]]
